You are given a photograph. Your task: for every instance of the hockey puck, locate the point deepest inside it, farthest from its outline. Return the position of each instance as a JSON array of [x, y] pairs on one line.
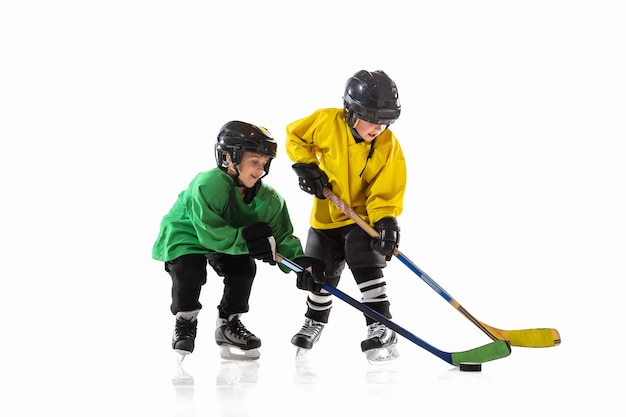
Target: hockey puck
[[470, 367]]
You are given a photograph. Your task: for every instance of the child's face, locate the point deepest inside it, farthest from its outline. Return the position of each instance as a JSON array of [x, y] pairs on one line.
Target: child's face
[[368, 131], [251, 168]]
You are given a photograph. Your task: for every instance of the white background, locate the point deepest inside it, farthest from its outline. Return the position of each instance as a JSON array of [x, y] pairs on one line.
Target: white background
[[512, 126]]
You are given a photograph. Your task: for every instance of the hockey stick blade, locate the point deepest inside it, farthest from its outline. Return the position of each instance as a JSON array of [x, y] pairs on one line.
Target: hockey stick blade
[[537, 338], [495, 350]]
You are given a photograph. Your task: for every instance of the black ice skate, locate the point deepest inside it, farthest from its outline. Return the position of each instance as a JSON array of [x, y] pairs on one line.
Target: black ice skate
[[307, 336], [380, 345], [235, 341], [184, 338]]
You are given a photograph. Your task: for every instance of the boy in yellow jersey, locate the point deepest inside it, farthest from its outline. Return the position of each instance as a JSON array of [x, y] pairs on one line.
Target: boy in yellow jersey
[[352, 151]]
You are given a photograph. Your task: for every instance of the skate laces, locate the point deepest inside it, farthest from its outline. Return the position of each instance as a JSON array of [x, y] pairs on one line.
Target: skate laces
[[237, 328], [185, 328], [311, 328], [376, 330]]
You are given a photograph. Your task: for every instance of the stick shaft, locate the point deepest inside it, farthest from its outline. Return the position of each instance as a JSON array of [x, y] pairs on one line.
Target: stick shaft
[[492, 351], [540, 337]]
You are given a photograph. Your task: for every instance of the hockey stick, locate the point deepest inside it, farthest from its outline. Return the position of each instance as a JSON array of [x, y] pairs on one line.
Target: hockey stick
[[492, 351], [539, 337]]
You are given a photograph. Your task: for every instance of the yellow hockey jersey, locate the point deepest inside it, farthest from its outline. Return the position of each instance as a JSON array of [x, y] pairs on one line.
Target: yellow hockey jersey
[[369, 177]]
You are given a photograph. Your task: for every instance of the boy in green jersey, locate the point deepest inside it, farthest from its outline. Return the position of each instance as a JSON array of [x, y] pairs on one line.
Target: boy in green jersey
[[228, 218]]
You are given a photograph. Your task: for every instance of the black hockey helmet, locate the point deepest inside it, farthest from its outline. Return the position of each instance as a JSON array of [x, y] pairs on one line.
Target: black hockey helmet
[[235, 137], [371, 96]]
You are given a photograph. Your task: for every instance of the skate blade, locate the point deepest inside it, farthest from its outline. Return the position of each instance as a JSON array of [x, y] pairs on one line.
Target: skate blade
[[382, 355], [182, 378], [302, 353], [236, 354], [182, 354]]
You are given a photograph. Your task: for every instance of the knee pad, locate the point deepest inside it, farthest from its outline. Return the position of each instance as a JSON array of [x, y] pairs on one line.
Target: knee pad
[[190, 269]]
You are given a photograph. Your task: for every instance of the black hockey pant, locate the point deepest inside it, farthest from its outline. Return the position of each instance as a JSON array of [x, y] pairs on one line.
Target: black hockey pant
[[189, 274], [347, 245]]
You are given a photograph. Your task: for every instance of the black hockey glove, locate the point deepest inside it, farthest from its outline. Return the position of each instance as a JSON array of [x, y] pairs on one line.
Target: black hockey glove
[[312, 179], [261, 242], [313, 277], [389, 239]]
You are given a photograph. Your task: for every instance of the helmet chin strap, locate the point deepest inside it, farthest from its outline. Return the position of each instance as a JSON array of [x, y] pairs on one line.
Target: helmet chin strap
[[356, 135], [359, 139], [250, 192], [236, 177]]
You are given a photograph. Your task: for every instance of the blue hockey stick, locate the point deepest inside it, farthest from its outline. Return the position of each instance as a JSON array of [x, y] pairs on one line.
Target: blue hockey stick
[[492, 351]]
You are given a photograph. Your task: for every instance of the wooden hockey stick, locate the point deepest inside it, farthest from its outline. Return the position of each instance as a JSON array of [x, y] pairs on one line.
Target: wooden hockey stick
[[492, 351], [538, 337]]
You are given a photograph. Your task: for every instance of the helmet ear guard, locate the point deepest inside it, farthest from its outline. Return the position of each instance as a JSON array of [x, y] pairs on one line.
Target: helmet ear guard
[[236, 155], [349, 116]]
